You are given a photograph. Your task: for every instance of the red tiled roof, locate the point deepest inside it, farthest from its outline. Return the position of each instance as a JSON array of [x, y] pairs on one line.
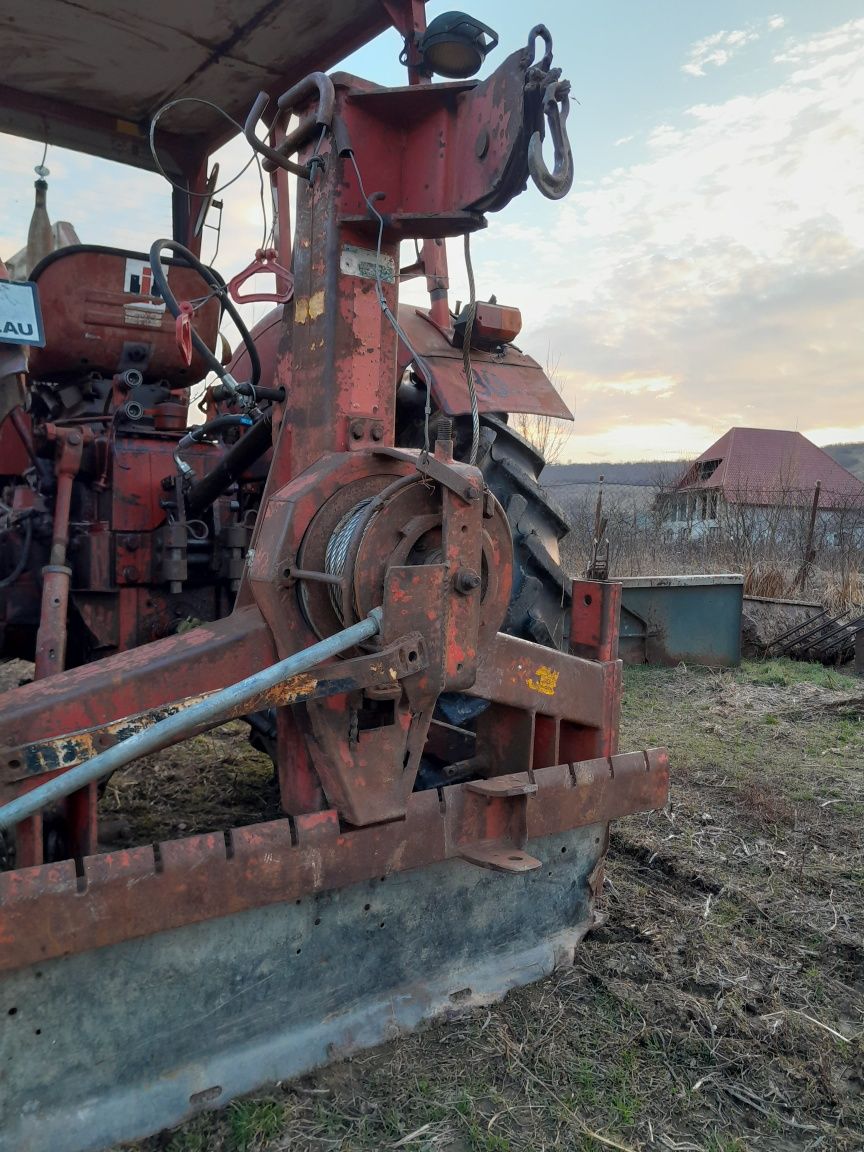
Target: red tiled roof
[[770, 466]]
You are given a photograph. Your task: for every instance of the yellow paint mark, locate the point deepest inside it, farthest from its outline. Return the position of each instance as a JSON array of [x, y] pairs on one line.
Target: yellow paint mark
[[308, 307], [544, 680]]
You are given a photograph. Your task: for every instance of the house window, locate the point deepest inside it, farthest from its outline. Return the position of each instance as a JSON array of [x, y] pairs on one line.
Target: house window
[[707, 468]]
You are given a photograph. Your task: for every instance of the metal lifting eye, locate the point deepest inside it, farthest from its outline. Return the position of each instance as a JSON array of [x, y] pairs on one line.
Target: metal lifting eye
[[556, 105], [540, 32]]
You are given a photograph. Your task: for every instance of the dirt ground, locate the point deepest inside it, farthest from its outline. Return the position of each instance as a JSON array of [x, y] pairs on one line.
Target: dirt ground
[[719, 1009]]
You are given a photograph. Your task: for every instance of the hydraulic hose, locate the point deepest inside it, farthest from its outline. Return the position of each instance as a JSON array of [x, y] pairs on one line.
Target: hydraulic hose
[[202, 431], [23, 558], [240, 456], [218, 289], [196, 718]]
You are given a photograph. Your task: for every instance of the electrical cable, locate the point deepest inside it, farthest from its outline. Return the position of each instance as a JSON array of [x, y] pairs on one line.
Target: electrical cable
[[157, 116], [254, 158], [466, 354], [419, 362]]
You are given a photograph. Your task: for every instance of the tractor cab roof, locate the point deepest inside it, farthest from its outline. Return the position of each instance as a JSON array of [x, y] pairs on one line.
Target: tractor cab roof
[[89, 76]]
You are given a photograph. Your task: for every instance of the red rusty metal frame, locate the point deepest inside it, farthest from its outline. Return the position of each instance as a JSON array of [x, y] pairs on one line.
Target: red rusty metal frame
[[52, 911]]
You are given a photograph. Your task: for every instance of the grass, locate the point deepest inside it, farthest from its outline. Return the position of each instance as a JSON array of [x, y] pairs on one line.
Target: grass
[[719, 1008]]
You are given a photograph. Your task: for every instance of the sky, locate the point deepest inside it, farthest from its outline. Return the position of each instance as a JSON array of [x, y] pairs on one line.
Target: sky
[[707, 269]]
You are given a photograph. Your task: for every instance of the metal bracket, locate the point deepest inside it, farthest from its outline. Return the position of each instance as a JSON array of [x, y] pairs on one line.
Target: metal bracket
[[462, 479], [504, 814]]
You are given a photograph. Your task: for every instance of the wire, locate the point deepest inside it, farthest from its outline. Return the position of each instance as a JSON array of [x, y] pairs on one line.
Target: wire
[[254, 158], [419, 362], [466, 353], [157, 116]]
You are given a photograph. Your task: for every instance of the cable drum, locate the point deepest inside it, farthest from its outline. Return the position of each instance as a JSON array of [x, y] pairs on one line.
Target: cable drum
[[337, 552]]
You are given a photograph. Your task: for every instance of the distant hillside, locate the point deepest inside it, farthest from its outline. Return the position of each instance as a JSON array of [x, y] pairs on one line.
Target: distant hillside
[[850, 456], [653, 473], [639, 473]]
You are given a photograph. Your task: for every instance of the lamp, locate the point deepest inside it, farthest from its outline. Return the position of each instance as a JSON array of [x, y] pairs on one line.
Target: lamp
[[455, 45]]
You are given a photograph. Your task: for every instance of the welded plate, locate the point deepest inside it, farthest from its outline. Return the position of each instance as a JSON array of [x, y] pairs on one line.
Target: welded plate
[[118, 1043]]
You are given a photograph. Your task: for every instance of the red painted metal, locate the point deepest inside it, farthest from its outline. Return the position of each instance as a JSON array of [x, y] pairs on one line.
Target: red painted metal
[[96, 302], [507, 380], [13, 447], [52, 911]]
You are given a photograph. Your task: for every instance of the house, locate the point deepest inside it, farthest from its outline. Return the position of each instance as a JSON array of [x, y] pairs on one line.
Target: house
[[761, 483]]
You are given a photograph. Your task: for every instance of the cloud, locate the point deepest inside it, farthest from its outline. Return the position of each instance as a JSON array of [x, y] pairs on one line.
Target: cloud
[[718, 49], [728, 264]]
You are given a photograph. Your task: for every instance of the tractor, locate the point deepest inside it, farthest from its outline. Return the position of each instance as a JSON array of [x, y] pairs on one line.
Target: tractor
[[350, 549]]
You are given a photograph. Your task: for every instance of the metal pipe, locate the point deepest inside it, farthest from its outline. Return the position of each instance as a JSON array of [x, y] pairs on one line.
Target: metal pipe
[[208, 712], [823, 624], [799, 627]]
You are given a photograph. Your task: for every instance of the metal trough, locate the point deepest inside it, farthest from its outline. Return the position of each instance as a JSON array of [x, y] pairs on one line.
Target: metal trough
[[674, 619]]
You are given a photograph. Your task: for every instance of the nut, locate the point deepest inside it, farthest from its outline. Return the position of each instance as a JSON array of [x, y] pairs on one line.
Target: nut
[[466, 581]]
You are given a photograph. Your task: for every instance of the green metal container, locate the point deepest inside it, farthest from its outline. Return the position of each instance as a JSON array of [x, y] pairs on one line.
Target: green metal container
[[682, 619]]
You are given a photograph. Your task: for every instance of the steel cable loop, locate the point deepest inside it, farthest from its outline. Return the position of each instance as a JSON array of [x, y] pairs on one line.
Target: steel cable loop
[[336, 552]]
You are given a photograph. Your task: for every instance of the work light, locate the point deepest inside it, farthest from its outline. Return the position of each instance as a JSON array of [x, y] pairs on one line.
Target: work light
[[455, 45]]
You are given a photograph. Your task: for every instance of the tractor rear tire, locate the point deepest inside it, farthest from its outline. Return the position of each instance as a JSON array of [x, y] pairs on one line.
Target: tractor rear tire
[[540, 602]]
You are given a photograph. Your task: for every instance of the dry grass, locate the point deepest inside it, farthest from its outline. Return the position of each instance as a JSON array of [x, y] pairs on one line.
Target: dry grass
[[213, 782], [720, 1009], [766, 579]]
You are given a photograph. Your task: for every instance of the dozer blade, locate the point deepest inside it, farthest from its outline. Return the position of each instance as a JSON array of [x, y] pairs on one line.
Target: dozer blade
[[116, 1024]]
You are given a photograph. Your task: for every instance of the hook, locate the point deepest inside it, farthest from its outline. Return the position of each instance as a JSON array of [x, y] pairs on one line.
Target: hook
[[556, 105]]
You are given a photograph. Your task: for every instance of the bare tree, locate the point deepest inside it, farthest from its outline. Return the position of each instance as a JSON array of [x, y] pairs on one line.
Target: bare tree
[[548, 434]]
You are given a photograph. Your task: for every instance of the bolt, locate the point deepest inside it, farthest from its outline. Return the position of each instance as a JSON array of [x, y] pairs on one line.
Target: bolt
[[377, 432], [356, 429], [75, 439], [466, 581], [445, 428], [472, 492]]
